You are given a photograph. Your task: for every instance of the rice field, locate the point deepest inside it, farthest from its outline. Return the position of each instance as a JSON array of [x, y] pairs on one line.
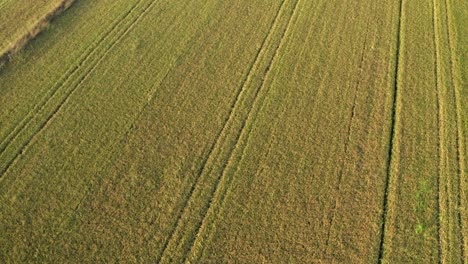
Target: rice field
[[278, 131]]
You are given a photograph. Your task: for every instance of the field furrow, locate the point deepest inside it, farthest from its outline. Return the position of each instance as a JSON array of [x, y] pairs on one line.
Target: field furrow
[[424, 226], [452, 237], [460, 206], [391, 182]]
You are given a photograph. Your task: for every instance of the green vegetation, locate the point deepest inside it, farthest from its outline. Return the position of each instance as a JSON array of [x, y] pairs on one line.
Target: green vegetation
[[285, 131]]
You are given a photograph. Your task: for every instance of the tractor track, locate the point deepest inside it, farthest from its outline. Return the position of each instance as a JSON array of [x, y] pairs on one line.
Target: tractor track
[[392, 161], [460, 137], [218, 189], [205, 169]]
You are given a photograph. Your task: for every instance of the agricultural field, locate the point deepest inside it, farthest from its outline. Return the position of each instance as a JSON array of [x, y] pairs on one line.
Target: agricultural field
[[242, 131]]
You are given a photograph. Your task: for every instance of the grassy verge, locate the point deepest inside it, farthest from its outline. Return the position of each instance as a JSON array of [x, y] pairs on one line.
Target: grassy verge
[[17, 39]]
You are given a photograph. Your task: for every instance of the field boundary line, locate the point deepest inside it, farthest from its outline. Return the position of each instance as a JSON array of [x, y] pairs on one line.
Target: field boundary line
[[87, 54], [74, 87], [218, 190], [460, 138], [393, 149], [212, 157]]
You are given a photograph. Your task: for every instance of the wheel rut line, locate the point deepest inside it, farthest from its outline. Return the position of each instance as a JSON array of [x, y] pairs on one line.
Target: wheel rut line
[[349, 133], [242, 131], [443, 246], [220, 136], [264, 157], [459, 138], [228, 182], [248, 138], [58, 85], [392, 161], [68, 94]]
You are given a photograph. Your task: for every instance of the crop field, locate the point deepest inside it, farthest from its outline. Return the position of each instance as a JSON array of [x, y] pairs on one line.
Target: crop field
[[241, 131]]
